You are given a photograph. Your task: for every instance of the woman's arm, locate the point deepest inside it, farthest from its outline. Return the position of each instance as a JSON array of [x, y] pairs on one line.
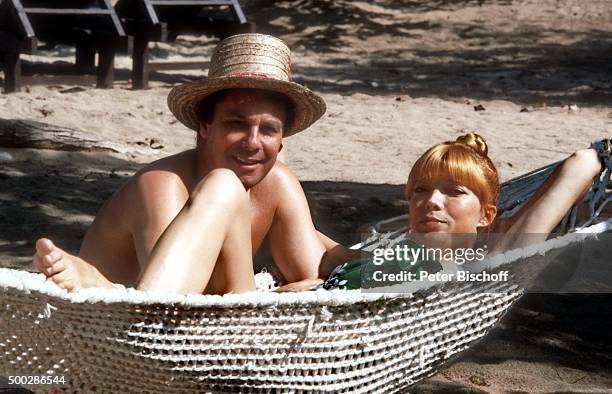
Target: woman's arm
[[565, 187]]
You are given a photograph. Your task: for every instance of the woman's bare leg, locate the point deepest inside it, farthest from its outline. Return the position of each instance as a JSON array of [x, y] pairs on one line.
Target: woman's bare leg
[[208, 245]]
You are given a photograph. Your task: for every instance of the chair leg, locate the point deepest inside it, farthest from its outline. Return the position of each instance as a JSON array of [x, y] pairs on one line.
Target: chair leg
[[140, 63], [106, 66], [85, 59], [250, 27], [12, 72]]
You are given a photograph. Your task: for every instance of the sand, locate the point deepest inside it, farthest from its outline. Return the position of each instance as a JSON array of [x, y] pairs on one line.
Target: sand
[[397, 77]]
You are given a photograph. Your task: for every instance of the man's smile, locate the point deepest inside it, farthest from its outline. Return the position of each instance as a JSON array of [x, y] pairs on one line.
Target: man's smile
[[247, 162]]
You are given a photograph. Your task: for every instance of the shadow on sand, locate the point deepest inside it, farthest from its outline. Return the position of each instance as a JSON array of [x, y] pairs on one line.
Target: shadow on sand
[[528, 64], [531, 64], [554, 330], [54, 195]]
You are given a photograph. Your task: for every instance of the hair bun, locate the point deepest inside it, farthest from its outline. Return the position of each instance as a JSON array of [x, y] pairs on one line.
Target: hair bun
[[476, 142]]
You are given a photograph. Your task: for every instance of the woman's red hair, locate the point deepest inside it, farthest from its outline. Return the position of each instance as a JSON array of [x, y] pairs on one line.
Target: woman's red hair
[[464, 161]]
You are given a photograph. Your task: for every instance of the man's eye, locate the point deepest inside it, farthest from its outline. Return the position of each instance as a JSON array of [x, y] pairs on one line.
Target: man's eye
[[235, 124], [270, 130]]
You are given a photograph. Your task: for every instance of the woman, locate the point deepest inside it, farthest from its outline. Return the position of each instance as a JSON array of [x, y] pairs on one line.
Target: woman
[[453, 189]]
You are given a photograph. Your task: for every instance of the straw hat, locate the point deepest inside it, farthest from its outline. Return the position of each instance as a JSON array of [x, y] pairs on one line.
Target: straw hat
[[255, 61]]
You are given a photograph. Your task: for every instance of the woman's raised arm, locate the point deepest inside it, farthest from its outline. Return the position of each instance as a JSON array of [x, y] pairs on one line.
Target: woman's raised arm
[[565, 187]]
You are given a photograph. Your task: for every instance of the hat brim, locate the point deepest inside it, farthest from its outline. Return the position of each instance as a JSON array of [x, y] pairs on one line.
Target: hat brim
[[184, 100]]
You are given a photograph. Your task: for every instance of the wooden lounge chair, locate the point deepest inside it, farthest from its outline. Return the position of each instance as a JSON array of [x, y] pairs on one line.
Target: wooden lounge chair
[[164, 20], [89, 25]]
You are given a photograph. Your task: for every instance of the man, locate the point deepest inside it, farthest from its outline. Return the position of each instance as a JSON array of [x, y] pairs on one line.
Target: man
[[191, 222]]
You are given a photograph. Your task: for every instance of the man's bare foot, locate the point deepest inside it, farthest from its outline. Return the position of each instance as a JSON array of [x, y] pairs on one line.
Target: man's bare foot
[[67, 271]]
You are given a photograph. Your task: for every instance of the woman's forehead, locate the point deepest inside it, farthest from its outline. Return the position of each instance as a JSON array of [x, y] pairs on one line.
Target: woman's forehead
[[445, 178], [442, 175]]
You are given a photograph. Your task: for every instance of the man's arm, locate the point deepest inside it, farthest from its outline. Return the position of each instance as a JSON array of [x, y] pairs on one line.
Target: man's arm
[[158, 197], [335, 254], [294, 241]]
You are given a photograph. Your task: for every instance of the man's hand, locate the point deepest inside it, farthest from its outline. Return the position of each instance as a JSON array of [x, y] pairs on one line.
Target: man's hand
[[303, 285]]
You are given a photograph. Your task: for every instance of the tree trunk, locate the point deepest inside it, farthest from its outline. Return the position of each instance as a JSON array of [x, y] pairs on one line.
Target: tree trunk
[[18, 133]]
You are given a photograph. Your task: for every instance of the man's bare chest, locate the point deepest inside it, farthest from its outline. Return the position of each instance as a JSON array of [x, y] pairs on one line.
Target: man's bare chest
[[262, 217]]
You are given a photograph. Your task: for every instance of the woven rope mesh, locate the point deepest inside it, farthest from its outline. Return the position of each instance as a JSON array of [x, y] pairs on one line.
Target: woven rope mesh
[[124, 340], [380, 345]]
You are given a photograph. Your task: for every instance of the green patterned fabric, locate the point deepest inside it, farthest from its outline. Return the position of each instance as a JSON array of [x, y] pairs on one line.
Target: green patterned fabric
[[349, 275]]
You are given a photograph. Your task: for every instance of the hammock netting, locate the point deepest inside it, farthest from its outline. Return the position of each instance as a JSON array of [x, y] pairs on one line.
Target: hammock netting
[[124, 340]]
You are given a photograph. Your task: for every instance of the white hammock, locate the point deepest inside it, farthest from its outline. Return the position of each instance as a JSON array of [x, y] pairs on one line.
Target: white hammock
[[124, 340]]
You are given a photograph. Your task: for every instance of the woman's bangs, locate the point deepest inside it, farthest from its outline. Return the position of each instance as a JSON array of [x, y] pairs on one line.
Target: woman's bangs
[[456, 164]]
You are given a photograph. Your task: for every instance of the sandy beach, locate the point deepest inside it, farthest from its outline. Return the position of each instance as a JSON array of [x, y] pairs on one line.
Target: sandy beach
[[532, 77]]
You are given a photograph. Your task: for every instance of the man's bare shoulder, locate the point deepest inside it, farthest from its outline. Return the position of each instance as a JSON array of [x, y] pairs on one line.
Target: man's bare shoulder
[[280, 179], [158, 190], [155, 194], [167, 175], [278, 189]]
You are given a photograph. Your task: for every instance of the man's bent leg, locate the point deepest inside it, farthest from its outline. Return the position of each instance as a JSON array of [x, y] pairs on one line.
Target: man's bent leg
[[233, 271], [208, 245]]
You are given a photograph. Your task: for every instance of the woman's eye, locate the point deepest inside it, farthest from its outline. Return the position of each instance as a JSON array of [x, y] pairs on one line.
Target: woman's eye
[[458, 191], [419, 189]]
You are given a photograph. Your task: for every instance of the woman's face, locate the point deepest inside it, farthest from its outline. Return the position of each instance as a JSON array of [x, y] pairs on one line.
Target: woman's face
[[441, 205]]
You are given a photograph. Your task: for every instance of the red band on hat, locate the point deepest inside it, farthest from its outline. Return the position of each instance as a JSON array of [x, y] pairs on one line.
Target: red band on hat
[[251, 74]]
